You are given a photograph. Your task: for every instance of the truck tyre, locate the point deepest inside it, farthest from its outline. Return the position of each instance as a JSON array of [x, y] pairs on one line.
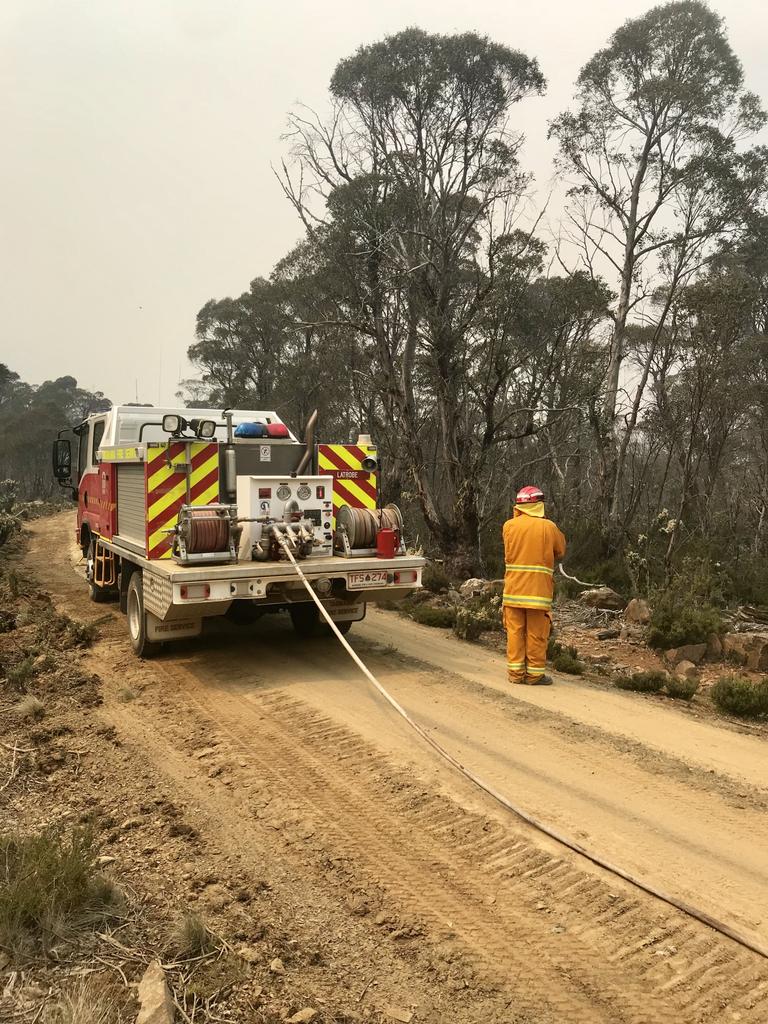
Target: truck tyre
[[137, 620], [305, 618]]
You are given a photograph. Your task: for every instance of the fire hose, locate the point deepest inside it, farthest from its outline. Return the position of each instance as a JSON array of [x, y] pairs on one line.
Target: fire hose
[[670, 899]]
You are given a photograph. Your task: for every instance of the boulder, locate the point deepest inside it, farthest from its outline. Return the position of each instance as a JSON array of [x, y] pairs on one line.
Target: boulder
[[473, 588], [496, 588], [632, 633], [156, 1004], [690, 652], [686, 670], [750, 649], [714, 647], [638, 612], [603, 597]]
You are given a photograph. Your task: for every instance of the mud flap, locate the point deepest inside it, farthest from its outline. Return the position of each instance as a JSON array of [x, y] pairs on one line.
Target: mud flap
[[172, 629]]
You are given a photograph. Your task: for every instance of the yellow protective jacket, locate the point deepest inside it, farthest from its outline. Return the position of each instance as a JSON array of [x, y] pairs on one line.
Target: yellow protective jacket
[[532, 545]]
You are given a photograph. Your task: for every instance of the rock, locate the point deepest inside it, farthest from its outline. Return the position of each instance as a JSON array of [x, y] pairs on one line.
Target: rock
[[608, 634], [690, 652], [686, 670], [303, 1016], [496, 588], [714, 648], [631, 632], [130, 823], [603, 597], [638, 611], [454, 597], [205, 752], [750, 649], [473, 588], [250, 954], [395, 1013], [103, 861], [154, 998], [277, 966]]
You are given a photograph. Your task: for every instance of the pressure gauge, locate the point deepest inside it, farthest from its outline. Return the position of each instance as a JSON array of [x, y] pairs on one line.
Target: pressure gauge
[[304, 492], [283, 492]]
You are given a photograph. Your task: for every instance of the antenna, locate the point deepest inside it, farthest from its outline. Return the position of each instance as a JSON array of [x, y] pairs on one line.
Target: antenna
[[137, 391]]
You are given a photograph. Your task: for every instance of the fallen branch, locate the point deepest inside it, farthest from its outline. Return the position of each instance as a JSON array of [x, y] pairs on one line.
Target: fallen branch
[[581, 583]]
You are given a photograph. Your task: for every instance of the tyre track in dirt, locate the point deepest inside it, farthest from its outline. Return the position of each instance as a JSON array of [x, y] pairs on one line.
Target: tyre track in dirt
[[609, 955], [610, 936]]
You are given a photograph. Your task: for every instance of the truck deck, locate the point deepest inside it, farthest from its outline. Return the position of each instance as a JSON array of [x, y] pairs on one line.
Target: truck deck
[[326, 565]]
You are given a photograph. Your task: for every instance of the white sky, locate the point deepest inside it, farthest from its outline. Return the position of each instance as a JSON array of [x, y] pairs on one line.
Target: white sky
[[135, 179]]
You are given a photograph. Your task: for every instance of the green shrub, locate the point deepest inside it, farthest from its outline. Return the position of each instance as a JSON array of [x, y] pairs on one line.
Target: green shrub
[[21, 673], [564, 659], [642, 682], [680, 688], [741, 697], [435, 578], [47, 882], [568, 662], [428, 615], [677, 620], [476, 617]]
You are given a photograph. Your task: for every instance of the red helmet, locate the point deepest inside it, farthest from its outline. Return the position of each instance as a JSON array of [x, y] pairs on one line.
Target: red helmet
[[529, 495]]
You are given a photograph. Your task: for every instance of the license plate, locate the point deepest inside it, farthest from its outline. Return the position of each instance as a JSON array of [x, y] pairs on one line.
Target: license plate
[[363, 580]]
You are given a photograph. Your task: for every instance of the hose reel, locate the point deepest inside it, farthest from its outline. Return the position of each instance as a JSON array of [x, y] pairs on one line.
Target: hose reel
[[356, 528], [206, 533]]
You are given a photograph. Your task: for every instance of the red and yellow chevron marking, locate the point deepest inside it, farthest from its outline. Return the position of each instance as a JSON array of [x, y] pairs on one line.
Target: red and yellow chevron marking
[[352, 485], [167, 487]]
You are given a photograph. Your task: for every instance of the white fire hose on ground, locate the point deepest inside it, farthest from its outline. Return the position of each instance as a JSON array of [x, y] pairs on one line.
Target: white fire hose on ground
[[673, 901]]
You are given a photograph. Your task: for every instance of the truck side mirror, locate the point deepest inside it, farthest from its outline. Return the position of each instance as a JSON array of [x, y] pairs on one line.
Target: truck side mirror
[[62, 460]]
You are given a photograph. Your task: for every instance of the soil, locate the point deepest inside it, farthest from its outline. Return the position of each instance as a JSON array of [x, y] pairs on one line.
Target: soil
[[262, 783]]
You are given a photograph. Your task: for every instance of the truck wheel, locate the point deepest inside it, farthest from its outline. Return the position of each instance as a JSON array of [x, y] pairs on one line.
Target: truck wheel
[[137, 620], [305, 618]]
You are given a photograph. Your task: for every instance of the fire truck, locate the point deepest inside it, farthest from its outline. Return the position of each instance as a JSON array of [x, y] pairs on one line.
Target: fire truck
[[188, 514]]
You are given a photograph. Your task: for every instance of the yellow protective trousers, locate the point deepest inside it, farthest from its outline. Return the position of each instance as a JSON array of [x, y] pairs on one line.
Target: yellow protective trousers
[[527, 637]]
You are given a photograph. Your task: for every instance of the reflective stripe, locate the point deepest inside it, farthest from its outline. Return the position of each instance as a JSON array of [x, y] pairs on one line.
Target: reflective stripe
[[536, 671], [530, 568], [526, 601], [515, 664]]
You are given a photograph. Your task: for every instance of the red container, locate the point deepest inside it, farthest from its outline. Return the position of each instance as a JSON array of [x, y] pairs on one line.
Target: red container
[[387, 543]]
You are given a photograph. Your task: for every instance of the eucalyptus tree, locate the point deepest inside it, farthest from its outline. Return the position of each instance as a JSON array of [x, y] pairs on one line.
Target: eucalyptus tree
[[660, 176], [416, 179]]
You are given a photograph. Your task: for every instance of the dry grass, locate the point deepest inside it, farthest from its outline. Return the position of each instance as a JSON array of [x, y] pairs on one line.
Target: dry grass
[[30, 709], [191, 937], [125, 695], [48, 886], [91, 1001]]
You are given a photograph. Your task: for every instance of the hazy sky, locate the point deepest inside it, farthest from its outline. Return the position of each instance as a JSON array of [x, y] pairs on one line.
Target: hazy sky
[[135, 178]]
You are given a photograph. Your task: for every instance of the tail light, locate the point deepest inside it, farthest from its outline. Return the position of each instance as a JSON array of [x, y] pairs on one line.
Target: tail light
[[406, 576], [320, 491], [195, 591]]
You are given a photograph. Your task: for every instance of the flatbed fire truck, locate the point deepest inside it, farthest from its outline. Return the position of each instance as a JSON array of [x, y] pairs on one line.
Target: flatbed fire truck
[[187, 514]]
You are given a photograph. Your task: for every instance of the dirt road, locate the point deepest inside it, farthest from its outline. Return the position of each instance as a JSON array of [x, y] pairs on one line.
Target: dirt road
[[287, 756]]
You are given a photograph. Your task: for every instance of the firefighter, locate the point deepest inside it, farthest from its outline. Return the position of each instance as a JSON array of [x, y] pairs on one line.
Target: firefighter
[[532, 545]]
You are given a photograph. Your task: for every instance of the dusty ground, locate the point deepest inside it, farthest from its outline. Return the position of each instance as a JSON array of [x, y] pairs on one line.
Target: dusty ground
[[264, 783]]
